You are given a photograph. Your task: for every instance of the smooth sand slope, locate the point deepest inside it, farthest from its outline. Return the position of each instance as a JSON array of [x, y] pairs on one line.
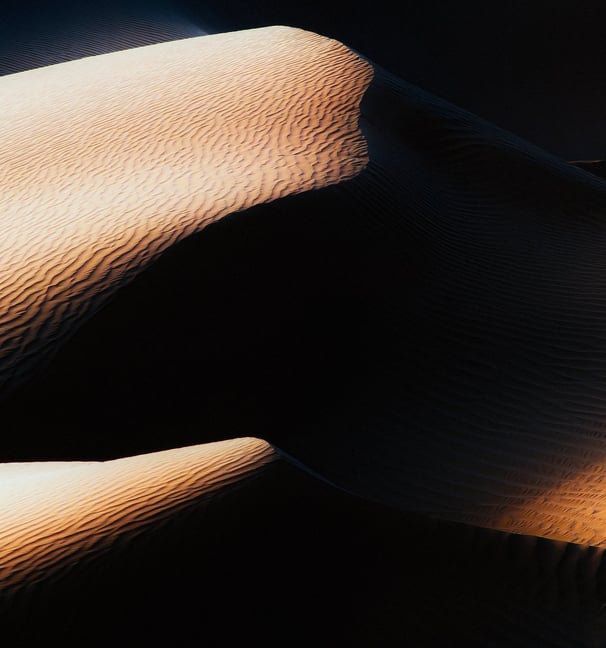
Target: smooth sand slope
[[55, 517], [109, 160]]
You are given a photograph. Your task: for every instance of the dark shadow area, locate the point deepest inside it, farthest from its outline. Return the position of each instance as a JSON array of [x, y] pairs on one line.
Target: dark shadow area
[[598, 167], [532, 68], [39, 33], [256, 327]]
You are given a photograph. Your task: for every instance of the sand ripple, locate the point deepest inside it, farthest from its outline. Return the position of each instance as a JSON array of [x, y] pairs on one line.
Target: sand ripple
[[107, 161], [54, 517]]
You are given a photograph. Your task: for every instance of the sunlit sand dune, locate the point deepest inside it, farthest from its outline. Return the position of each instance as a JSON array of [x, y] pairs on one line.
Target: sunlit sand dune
[[158, 549], [443, 353], [55, 517], [407, 302], [532, 68], [107, 161]]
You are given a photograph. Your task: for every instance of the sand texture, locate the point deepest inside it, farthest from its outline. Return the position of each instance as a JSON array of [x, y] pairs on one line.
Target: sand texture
[[534, 69], [53, 519], [442, 350], [138, 149], [287, 552], [397, 307]]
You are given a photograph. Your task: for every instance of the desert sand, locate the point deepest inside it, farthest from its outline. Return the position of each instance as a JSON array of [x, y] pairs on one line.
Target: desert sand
[[289, 555], [324, 351], [533, 69], [140, 148], [56, 516]]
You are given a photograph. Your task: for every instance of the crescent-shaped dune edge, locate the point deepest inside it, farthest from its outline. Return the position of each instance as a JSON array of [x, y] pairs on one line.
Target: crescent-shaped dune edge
[[107, 161], [53, 517]]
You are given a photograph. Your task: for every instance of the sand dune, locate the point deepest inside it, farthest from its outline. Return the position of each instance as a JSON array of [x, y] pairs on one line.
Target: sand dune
[[418, 321], [137, 569], [488, 353], [443, 353], [534, 69], [54, 518], [109, 160]]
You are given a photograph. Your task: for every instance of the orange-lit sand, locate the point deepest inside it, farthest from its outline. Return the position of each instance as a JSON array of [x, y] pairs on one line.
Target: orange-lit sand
[[281, 550], [107, 161], [573, 510], [54, 516], [475, 398], [481, 397]]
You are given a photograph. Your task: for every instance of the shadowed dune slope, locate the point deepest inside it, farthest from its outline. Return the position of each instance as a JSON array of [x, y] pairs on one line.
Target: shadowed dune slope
[[282, 555], [38, 33], [426, 330], [108, 160], [430, 334]]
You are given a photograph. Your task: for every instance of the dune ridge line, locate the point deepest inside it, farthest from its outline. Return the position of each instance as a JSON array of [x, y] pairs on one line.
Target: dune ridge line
[[52, 519], [107, 161]]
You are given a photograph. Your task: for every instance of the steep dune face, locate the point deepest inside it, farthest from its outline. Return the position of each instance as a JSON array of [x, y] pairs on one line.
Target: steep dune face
[[54, 518], [489, 349], [109, 160]]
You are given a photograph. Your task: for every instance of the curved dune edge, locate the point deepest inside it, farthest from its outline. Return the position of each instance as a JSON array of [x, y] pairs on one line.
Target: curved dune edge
[[502, 426], [257, 553], [107, 161], [51, 519]]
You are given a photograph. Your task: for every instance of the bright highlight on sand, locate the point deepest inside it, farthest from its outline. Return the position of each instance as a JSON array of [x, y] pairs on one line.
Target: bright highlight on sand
[[52, 516], [107, 161]]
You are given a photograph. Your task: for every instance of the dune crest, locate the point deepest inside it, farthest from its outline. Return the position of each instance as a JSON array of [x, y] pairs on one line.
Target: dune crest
[[107, 161], [51, 519]]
